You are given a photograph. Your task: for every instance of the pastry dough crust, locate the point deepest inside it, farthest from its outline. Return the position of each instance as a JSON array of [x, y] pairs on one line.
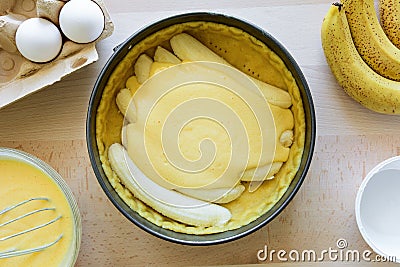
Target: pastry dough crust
[[235, 46]]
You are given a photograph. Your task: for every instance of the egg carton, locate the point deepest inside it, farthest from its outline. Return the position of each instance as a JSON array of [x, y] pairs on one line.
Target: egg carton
[[20, 77]]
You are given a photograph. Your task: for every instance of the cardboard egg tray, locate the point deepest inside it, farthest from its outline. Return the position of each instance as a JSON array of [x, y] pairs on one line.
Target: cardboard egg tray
[[20, 77]]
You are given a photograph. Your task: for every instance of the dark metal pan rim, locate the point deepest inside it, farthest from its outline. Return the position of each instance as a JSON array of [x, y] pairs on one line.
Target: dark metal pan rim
[[187, 239]]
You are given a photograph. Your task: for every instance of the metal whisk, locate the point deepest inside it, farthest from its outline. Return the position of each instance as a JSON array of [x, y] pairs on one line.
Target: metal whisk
[[14, 251]]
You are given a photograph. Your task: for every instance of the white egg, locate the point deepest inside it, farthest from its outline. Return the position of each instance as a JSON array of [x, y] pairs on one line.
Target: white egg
[[81, 21], [38, 40]]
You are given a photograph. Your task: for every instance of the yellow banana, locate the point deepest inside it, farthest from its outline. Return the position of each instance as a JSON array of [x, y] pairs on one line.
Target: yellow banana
[[352, 73], [370, 39], [187, 47], [389, 11], [167, 202]]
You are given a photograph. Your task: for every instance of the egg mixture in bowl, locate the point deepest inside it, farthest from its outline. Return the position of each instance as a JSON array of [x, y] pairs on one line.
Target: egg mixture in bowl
[[40, 223], [201, 84]]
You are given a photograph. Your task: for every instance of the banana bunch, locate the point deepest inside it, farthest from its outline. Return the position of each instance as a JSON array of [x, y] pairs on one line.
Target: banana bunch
[[362, 58], [389, 11], [204, 203]]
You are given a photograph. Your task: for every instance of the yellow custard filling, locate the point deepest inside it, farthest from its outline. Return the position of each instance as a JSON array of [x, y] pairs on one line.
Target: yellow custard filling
[[249, 56], [21, 181]]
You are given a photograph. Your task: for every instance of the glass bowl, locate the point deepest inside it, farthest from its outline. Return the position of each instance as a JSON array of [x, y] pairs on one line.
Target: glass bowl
[[17, 155]]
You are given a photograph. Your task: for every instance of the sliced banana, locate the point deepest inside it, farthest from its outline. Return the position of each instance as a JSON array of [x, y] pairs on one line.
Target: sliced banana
[[162, 55], [172, 204], [262, 173], [124, 138], [187, 47], [217, 195], [132, 84], [125, 105], [159, 66], [142, 67], [286, 138]]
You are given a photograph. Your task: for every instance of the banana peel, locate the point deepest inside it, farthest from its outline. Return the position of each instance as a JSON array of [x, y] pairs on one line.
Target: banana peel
[[370, 40], [389, 11]]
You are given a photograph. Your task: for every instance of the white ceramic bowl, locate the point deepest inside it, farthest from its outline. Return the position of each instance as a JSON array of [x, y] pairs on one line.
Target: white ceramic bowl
[[377, 208]]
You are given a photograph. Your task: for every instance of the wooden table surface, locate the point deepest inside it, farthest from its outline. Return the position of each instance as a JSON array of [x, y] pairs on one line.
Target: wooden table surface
[[351, 140]]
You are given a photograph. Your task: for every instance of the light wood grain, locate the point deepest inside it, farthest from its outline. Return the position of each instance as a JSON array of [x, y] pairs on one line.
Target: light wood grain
[[351, 140]]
